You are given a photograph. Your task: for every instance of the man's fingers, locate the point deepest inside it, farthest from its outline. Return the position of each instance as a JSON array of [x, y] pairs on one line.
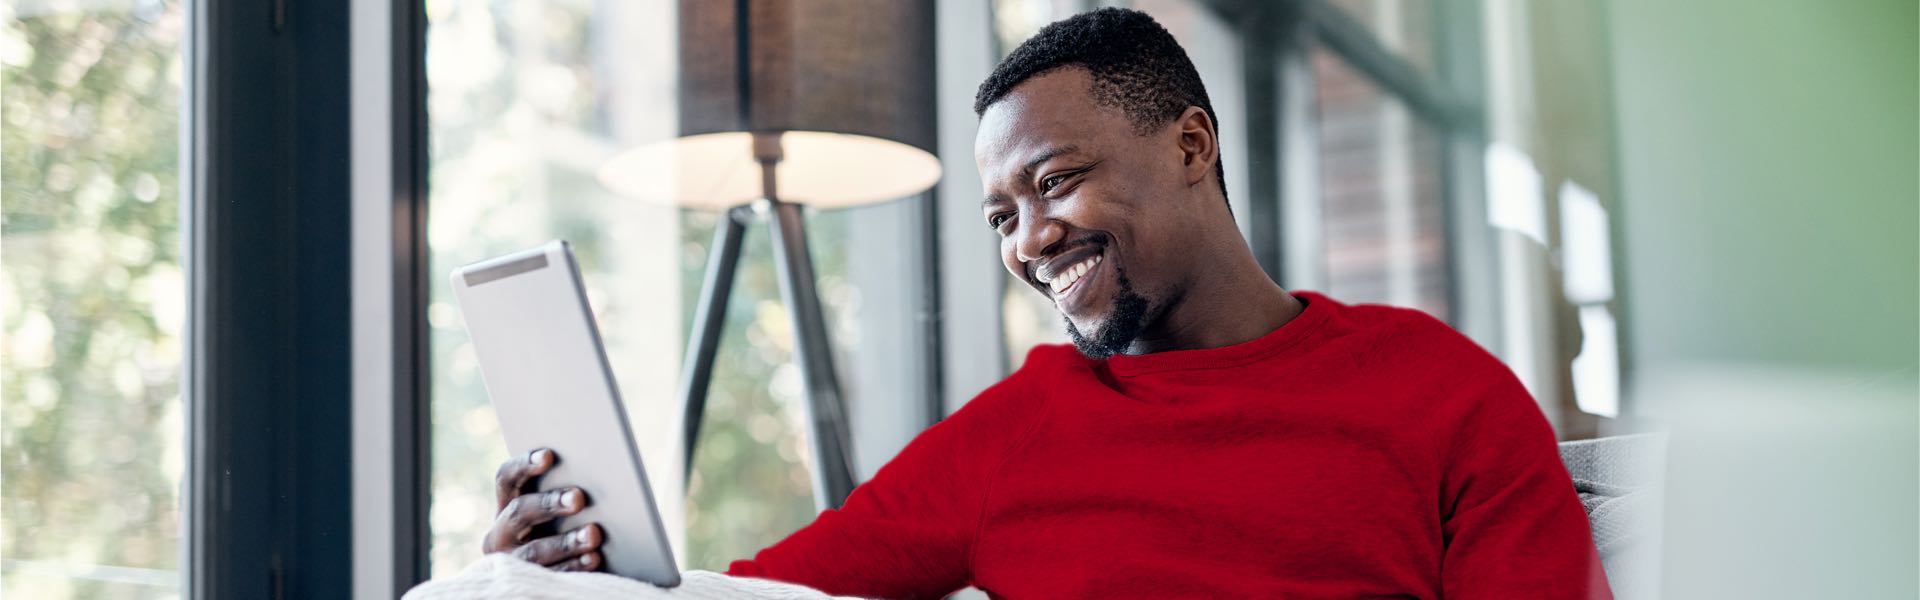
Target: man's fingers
[[524, 513], [519, 512], [516, 522], [585, 562], [511, 480], [558, 550]]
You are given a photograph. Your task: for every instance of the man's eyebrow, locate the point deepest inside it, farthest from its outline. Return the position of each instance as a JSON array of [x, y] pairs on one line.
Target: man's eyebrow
[[1050, 154], [1026, 172]]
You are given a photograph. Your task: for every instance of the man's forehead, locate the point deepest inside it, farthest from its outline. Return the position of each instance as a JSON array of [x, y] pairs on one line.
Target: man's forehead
[[1039, 116], [1004, 146]]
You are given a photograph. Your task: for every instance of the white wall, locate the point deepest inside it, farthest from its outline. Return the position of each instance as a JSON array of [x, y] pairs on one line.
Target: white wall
[[1768, 227]]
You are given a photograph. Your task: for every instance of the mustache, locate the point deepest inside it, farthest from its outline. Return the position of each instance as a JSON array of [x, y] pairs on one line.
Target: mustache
[[1094, 240]]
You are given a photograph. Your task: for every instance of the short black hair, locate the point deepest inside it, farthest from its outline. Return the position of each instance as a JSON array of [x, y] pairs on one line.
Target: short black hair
[[1136, 67]]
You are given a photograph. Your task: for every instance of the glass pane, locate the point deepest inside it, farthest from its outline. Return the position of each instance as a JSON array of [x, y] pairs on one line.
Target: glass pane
[[1016, 20], [527, 99], [92, 298], [1403, 26], [1380, 191]]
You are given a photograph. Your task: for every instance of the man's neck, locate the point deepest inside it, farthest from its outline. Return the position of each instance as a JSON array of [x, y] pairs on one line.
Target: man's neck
[[1223, 307]]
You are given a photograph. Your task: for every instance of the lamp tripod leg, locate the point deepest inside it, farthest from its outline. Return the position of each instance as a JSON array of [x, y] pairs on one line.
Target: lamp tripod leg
[[709, 319], [833, 464]]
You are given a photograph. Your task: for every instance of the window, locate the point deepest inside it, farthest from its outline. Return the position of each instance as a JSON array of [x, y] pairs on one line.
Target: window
[[1380, 189], [1403, 26], [93, 300], [1586, 260], [1016, 20], [526, 100]]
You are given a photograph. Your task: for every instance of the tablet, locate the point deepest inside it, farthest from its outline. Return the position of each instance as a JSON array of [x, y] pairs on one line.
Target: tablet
[[543, 366]]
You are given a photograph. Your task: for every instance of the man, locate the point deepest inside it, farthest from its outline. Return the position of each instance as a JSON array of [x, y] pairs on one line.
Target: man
[[1213, 435]]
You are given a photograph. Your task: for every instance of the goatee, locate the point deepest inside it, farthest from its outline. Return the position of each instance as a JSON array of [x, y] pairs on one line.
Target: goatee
[[1129, 316]]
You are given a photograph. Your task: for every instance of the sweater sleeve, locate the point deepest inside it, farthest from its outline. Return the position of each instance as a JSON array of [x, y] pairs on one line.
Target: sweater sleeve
[[1513, 525], [908, 532]]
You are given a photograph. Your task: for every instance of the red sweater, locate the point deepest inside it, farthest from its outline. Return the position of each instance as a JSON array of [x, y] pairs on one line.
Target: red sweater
[[1357, 451]]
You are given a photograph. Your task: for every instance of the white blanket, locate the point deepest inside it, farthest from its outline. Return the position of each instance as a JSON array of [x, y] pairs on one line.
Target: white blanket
[[502, 576]]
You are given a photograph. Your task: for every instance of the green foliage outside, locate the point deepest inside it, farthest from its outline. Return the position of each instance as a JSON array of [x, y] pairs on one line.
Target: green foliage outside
[[92, 301]]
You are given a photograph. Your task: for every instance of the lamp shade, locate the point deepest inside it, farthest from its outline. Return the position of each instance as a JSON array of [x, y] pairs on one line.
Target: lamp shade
[[847, 86]]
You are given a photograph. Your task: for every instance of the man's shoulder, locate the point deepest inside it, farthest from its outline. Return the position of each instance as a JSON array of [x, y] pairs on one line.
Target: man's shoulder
[[1433, 370], [1454, 376], [1384, 317], [1021, 395], [1398, 333], [1047, 360]]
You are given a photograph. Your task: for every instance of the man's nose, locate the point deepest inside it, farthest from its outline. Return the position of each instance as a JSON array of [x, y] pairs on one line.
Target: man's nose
[[1035, 236]]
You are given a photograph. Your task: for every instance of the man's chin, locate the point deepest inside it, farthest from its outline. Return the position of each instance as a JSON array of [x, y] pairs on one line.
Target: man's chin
[[1105, 337], [1112, 331], [1089, 346], [1085, 326]]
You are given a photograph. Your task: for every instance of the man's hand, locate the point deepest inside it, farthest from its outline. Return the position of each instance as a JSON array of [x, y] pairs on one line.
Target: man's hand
[[576, 550]]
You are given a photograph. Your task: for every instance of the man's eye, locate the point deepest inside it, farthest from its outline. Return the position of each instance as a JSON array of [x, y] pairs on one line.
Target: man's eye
[[995, 220], [1047, 185]]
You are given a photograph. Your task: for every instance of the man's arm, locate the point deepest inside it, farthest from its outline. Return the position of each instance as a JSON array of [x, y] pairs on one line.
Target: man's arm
[[1513, 525], [909, 532]]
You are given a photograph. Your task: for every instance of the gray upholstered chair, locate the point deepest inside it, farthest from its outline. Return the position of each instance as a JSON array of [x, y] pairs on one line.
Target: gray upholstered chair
[[1619, 481]]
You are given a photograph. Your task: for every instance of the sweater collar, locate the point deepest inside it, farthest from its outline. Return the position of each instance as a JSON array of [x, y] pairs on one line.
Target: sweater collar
[[1317, 311]]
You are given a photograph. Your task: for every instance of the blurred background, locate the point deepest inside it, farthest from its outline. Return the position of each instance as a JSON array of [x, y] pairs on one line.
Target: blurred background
[[1696, 217]]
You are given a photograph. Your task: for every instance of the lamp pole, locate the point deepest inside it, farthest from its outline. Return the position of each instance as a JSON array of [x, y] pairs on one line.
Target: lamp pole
[[811, 88], [813, 353], [709, 319]]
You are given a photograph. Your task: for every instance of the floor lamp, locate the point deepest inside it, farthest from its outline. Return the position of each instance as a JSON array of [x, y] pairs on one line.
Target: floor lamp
[[832, 108]]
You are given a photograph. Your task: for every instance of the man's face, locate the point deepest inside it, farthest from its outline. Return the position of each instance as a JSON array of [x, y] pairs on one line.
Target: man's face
[[1089, 213]]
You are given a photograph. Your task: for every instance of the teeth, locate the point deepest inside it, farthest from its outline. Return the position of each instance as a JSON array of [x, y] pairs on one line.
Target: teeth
[[1072, 274]]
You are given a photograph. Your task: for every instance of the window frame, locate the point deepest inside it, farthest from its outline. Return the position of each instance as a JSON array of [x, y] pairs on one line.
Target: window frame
[[1286, 237], [392, 393], [974, 353], [268, 353]]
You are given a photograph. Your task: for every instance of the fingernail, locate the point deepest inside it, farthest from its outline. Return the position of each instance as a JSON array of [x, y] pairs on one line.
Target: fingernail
[[541, 456], [586, 559], [571, 499], [576, 538]]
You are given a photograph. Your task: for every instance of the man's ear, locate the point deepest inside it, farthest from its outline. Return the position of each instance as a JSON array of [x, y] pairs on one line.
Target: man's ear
[[1199, 147]]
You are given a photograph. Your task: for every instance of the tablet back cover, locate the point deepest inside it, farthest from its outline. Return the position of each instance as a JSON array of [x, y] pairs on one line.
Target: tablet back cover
[[548, 378]]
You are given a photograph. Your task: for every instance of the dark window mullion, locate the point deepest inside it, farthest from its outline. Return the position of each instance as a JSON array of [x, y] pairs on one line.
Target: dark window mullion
[[1356, 44], [267, 507], [413, 375]]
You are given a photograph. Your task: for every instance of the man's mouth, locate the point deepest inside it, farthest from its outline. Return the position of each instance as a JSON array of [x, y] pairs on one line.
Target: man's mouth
[[1071, 275]]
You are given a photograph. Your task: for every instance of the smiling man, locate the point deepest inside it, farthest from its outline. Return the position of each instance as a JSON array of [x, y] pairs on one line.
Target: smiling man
[[1209, 434]]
